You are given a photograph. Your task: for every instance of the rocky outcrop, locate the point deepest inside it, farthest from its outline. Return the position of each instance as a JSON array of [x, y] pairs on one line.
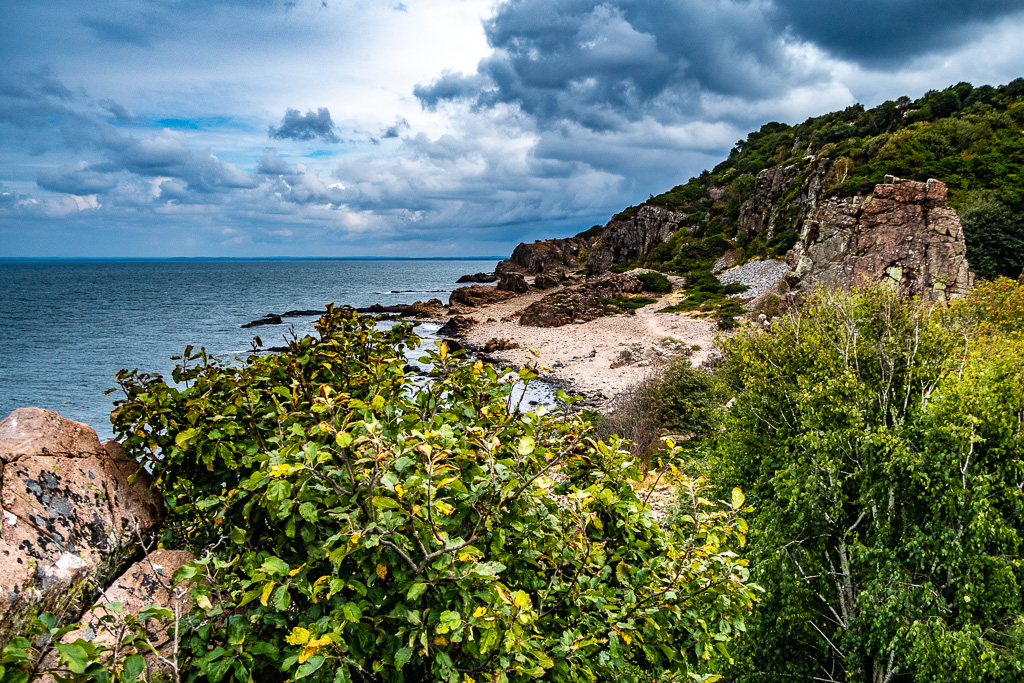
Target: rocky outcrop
[[548, 256], [478, 277], [72, 519], [545, 281], [430, 309], [784, 195], [477, 295], [904, 233], [580, 303], [633, 237], [513, 282]]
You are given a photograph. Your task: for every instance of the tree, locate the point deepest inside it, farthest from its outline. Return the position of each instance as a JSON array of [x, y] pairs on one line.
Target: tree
[[880, 443], [358, 525]]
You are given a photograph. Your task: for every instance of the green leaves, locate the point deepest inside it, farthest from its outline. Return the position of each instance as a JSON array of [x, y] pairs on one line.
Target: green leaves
[[410, 532]]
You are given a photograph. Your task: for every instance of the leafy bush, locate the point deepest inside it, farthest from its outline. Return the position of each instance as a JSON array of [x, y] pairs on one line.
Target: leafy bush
[[655, 282], [629, 304], [880, 440], [356, 525]]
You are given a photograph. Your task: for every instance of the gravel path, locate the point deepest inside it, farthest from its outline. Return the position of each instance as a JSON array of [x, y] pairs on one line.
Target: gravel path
[[761, 276]]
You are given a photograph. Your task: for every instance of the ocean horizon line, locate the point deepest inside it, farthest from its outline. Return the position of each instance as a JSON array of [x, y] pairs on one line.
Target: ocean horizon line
[[97, 259]]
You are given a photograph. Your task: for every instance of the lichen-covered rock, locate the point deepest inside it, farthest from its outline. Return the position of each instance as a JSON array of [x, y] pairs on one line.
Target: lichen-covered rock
[[71, 516], [147, 582], [513, 282], [633, 237], [904, 233]]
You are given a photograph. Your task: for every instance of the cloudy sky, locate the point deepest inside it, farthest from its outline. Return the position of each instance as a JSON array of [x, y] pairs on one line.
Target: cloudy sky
[[422, 127]]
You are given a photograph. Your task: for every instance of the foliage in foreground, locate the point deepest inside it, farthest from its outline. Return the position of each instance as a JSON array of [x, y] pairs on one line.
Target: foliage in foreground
[[358, 526], [880, 443]]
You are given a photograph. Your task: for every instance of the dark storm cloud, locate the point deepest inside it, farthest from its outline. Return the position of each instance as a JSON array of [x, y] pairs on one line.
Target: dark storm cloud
[[605, 64], [868, 31], [308, 126], [602, 64], [78, 179]]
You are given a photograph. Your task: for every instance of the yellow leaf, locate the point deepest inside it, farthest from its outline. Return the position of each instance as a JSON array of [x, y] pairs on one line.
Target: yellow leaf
[[266, 593], [297, 570], [299, 636], [479, 612], [400, 490], [382, 571], [355, 538], [522, 599], [503, 594], [281, 470], [311, 648], [204, 602], [377, 403], [467, 679], [440, 640]]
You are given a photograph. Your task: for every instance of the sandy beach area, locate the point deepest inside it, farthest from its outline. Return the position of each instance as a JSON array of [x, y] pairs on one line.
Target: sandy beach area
[[581, 356]]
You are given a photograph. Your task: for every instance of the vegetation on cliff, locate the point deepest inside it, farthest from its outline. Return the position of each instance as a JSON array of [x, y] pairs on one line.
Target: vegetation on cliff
[[969, 138]]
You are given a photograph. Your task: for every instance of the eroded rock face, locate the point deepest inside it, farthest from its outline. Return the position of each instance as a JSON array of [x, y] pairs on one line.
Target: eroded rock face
[[71, 519], [629, 239], [549, 256], [904, 233], [578, 304]]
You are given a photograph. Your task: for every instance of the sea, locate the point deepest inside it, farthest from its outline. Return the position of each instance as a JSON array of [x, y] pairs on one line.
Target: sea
[[68, 326]]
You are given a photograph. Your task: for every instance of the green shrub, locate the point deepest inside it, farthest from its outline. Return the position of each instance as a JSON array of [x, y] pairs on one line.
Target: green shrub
[[880, 440], [358, 526], [655, 282]]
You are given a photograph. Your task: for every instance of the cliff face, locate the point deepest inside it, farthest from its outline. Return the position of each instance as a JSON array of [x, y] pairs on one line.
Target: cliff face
[[904, 233], [620, 240]]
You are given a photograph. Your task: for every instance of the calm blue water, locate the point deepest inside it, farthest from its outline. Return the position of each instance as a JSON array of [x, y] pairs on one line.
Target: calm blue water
[[66, 328]]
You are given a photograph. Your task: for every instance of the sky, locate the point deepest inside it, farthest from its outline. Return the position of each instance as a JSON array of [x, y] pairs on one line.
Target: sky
[[424, 128]]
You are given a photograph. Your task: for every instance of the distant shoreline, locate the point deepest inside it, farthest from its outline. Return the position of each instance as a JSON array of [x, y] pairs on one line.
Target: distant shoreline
[[137, 259]]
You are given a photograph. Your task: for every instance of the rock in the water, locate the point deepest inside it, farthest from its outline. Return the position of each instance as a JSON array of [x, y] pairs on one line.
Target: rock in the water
[[477, 295], [478, 277], [423, 309], [513, 282], [71, 519], [456, 326], [268, 319]]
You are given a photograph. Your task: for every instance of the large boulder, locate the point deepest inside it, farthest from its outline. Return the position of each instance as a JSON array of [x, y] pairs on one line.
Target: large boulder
[[456, 326], [547, 256], [477, 295], [147, 582], [74, 511], [513, 282]]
